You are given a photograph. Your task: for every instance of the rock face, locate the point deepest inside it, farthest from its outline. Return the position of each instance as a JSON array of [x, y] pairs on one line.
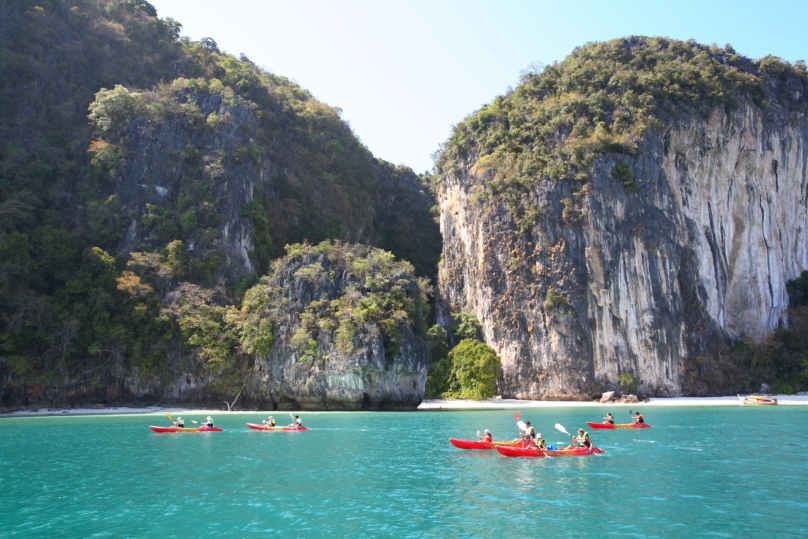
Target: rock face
[[338, 327], [168, 155], [642, 280]]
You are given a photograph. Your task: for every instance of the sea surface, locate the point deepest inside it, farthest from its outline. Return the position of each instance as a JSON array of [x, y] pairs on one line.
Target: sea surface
[[698, 472]]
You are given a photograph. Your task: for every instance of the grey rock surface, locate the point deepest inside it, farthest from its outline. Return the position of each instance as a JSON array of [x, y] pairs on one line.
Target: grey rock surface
[[703, 249]]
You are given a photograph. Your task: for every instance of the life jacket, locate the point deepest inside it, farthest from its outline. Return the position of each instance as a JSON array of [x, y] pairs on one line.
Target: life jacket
[[531, 432], [582, 440], [640, 419], [180, 424], [488, 438], [271, 423]]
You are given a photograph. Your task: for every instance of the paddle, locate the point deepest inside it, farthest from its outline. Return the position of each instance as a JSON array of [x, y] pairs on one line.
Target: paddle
[[560, 427], [520, 424]]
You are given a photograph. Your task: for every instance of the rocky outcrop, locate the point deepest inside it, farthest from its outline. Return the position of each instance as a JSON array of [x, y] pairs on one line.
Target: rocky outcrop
[[635, 278], [338, 327], [206, 162]]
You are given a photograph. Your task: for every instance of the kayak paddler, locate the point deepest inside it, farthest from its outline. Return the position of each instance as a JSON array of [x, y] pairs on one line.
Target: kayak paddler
[[539, 442], [270, 422], [637, 418], [609, 420], [296, 421], [529, 433], [582, 439], [179, 423], [208, 422], [487, 436]]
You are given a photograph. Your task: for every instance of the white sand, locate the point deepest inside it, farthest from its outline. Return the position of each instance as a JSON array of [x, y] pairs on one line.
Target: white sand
[[676, 401]]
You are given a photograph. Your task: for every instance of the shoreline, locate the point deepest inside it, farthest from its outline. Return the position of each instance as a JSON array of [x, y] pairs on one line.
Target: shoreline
[[427, 405], [498, 403]]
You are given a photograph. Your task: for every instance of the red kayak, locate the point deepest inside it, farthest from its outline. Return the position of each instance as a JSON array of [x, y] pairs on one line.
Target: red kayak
[[182, 429], [618, 425], [264, 426], [509, 451], [476, 444], [575, 452]]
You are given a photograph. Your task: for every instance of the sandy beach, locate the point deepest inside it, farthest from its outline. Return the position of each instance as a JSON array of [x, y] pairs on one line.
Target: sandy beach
[[495, 403], [786, 400]]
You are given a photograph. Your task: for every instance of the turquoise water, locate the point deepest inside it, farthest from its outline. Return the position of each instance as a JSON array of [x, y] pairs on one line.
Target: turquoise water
[[699, 472]]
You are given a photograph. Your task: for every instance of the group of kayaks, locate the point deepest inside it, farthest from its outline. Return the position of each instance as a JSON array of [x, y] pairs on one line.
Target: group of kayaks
[[296, 426], [522, 447]]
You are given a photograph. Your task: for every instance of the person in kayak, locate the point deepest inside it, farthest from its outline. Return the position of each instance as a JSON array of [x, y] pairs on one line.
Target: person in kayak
[[538, 442], [179, 423], [637, 418], [609, 420], [296, 422], [529, 434], [582, 439], [486, 436], [208, 422], [270, 422]]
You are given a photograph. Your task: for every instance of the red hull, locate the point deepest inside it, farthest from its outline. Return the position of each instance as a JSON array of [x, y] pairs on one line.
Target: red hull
[[262, 426], [580, 452], [192, 429], [520, 451], [476, 444], [618, 425]]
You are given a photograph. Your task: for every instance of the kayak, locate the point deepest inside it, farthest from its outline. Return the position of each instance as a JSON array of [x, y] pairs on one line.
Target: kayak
[[576, 452], [182, 429], [509, 451], [262, 426], [618, 425], [758, 399], [476, 444]]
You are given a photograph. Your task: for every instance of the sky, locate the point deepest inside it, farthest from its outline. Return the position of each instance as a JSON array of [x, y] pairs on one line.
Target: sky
[[404, 72]]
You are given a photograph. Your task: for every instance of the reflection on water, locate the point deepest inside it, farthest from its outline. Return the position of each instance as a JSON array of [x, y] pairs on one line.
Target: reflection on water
[[396, 475]]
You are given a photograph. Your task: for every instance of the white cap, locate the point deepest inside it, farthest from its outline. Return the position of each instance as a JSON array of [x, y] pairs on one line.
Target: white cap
[[487, 431], [209, 419]]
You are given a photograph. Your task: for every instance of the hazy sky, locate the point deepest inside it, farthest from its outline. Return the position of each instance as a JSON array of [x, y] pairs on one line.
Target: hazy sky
[[405, 72]]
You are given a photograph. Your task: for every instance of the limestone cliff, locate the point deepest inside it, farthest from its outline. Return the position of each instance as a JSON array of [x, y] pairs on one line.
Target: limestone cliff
[[337, 327], [687, 232], [126, 235]]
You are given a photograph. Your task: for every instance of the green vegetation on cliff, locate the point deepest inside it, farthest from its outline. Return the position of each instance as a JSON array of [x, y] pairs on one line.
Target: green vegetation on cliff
[[328, 293], [104, 283], [600, 99]]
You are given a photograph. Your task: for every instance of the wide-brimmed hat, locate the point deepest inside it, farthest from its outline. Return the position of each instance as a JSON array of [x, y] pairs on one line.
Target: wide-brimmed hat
[[209, 418]]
